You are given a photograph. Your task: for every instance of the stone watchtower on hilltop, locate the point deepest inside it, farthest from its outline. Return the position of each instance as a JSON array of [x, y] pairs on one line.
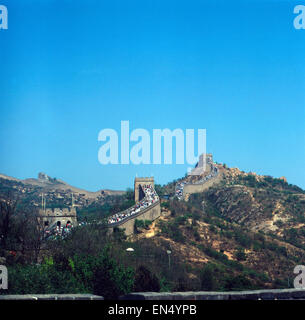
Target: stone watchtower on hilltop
[[204, 165], [58, 217], [43, 176], [138, 192]]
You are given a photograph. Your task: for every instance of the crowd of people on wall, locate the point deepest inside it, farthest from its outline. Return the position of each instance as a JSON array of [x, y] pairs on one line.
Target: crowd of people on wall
[[150, 198], [180, 185], [58, 230], [211, 175], [179, 190]]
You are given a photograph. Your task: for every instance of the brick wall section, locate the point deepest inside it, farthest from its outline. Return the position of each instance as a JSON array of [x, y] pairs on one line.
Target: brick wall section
[[198, 188], [151, 213]]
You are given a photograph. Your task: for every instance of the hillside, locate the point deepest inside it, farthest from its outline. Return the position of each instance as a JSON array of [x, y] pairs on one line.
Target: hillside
[[56, 192], [245, 231], [248, 228]]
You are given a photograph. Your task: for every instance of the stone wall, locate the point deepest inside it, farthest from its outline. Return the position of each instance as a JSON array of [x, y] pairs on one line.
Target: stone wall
[[151, 213], [198, 188], [50, 297], [272, 294]]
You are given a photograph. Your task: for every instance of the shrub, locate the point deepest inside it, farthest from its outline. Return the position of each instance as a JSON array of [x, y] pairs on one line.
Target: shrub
[[240, 254], [239, 282], [207, 279], [100, 275], [145, 281]]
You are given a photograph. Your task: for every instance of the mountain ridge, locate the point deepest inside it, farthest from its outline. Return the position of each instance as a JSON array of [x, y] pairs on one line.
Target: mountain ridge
[[57, 192], [52, 183]]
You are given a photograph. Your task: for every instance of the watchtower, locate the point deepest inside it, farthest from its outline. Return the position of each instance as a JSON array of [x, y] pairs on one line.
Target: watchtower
[[204, 165], [138, 192], [60, 217]]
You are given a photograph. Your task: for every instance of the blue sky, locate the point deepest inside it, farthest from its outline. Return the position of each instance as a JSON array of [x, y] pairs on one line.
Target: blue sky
[[69, 69]]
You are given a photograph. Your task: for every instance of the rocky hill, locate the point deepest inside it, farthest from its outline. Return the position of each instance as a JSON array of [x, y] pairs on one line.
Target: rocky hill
[[248, 228], [244, 232]]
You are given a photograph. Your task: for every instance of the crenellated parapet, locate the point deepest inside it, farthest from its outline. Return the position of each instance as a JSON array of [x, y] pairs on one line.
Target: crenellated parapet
[[58, 212], [58, 218]]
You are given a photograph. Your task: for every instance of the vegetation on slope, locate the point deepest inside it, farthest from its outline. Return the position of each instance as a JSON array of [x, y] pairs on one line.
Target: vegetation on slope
[[245, 233]]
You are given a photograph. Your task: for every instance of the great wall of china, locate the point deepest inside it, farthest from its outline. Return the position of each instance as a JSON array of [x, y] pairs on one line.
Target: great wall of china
[[147, 207], [57, 216], [57, 222], [147, 202], [211, 175]]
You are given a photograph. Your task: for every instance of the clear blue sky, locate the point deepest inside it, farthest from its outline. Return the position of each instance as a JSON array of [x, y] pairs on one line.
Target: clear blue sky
[[70, 68]]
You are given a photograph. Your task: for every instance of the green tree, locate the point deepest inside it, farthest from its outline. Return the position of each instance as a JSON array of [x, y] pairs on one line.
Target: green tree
[[110, 279], [239, 282], [146, 281], [207, 278]]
